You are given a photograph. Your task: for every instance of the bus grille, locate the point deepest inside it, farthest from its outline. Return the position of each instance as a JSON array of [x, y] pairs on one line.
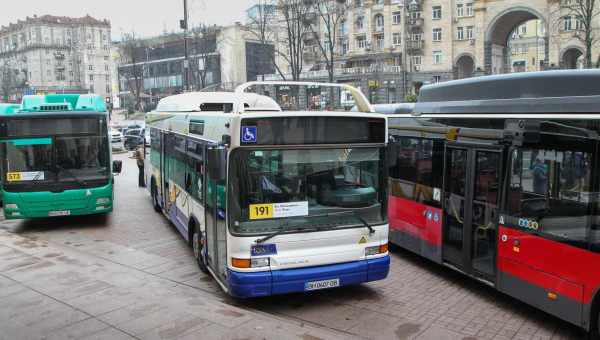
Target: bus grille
[[54, 107]]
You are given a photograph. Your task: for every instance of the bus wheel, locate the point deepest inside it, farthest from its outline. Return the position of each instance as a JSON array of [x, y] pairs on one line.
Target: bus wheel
[[197, 245], [155, 197]]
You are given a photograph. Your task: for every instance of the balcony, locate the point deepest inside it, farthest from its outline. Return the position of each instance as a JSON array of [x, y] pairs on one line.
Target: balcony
[[416, 24], [415, 47]]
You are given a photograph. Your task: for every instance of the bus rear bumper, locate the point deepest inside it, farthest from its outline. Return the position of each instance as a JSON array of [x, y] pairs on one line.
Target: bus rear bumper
[[250, 285]]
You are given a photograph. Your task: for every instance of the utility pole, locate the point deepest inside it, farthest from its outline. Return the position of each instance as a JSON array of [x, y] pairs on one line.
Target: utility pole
[[186, 63]]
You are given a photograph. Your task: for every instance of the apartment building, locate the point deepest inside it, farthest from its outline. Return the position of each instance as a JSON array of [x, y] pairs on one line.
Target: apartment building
[[53, 54], [389, 48]]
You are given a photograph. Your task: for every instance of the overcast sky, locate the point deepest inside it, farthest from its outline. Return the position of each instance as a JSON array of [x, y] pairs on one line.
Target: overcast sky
[[146, 17]]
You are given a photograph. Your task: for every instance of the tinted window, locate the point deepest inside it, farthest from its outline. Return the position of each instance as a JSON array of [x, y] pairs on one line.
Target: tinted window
[[155, 147], [195, 153], [56, 126], [416, 173], [552, 190]]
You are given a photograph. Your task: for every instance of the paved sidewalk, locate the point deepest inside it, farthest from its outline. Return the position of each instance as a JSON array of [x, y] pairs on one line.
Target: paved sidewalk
[[50, 291]]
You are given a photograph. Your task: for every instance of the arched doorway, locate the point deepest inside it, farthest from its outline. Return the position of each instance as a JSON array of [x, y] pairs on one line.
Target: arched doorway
[[465, 66], [572, 58], [505, 28]]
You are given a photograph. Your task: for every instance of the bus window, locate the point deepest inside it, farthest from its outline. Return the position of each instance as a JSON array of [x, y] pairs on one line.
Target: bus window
[[195, 172], [553, 188], [417, 173], [155, 147]]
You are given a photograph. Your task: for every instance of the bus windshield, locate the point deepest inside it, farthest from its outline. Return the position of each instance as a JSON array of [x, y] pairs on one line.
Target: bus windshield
[[57, 156], [291, 189]]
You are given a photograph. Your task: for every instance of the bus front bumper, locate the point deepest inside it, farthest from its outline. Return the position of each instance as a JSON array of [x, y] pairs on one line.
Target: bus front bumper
[[250, 285]]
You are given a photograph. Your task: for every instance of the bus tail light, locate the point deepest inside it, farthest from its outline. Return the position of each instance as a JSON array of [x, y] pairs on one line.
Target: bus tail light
[[103, 200], [250, 263], [369, 251], [11, 206]]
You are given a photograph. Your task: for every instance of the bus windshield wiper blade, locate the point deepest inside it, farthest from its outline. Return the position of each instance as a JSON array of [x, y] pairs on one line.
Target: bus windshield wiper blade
[[366, 224], [281, 231], [70, 173]]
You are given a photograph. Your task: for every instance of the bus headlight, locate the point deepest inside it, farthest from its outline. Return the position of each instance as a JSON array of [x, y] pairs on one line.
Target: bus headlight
[[382, 249], [260, 262], [12, 206], [103, 200]]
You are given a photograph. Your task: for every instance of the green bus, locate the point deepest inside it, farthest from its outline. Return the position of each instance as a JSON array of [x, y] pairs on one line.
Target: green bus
[[56, 157]]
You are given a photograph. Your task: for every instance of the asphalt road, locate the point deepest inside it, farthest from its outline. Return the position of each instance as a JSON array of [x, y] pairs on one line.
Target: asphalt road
[[135, 249]]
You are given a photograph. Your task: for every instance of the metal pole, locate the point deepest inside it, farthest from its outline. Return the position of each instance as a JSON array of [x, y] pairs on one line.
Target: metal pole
[[186, 63]]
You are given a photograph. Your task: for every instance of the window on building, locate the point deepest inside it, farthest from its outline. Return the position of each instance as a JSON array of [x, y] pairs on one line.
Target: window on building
[[397, 18], [379, 22], [108, 89], [437, 34], [106, 67], [460, 10], [417, 60], [579, 23], [568, 23], [416, 37], [470, 35], [361, 42], [460, 33], [105, 58], [360, 23], [91, 67], [437, 79], [523, 29], [380, 41], [91, 77], [397, 39], [358, 3], [437, 12], [437, 57], [415, 15], [469, 8]]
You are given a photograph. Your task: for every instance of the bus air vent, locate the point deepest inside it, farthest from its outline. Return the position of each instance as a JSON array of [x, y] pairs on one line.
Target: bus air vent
[[54, 107]]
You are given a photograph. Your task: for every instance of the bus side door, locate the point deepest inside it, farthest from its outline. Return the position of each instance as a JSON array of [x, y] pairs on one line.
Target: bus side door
[[216, 227]]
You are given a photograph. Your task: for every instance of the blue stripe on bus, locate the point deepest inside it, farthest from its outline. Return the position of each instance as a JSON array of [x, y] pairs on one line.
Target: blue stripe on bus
[[249, 285]]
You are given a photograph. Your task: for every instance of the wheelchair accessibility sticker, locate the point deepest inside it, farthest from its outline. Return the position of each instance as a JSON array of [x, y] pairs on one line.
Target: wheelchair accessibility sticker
[[248, 134]]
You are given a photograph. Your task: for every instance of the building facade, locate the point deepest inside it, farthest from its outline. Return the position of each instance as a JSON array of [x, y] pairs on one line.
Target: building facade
[[389, 48], [219, 58], [50, 54]]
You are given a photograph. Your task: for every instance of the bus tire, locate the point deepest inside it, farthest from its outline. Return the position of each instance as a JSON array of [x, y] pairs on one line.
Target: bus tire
[[197, 241], [155, 203]]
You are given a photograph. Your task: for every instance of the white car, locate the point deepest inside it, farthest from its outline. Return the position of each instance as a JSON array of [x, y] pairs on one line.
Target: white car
[[115, 136]]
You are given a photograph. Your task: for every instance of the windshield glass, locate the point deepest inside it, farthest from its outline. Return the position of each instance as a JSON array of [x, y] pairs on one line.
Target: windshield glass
[[83, 157], [290, 189], [70, 153], [30, 161]]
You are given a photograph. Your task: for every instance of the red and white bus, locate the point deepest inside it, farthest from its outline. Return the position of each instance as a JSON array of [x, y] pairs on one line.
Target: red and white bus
[[499, 177]]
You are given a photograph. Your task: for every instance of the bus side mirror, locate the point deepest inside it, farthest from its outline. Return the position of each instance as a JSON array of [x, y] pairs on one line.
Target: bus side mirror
[[217, 163], [117, 166]]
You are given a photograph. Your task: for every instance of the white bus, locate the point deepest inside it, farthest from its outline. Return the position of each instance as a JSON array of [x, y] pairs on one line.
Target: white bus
[[272, 202]]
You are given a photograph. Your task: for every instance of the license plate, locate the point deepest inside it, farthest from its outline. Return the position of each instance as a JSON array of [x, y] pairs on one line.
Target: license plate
[[59, 213], [315, 285]]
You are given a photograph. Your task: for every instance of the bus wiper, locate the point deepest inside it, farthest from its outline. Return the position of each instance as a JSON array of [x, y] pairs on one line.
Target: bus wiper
[[281, 231], [363, 221], [70, 173]]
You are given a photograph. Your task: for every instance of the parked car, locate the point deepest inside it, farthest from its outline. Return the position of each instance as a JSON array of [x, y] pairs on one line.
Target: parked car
[[133, 138], [115, 136]]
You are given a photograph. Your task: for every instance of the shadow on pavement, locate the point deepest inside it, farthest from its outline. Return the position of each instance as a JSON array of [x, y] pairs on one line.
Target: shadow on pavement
[[61, 224]]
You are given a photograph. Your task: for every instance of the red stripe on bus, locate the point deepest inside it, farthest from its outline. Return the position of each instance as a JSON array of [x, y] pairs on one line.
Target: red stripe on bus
[[419, 220], [554, 266]]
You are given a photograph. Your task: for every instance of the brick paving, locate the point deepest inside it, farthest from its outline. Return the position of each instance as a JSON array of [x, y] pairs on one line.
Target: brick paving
[[132, 276]]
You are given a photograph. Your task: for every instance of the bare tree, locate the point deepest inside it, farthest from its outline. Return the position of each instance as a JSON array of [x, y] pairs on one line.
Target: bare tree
[[203, 42], [584, 14], [133, 71], [295, 26], [330, 16], [263, 25], [8, 78]]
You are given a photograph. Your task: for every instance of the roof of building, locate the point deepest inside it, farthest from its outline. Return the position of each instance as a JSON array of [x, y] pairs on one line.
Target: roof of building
[[54, 20], [564, 91]]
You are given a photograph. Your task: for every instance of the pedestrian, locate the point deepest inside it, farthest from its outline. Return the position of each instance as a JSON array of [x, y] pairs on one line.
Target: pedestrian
[[540, 176], [138, 155]]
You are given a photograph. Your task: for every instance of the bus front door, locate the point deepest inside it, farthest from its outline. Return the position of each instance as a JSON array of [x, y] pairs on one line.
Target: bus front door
[[471, 198], [216, 227]]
